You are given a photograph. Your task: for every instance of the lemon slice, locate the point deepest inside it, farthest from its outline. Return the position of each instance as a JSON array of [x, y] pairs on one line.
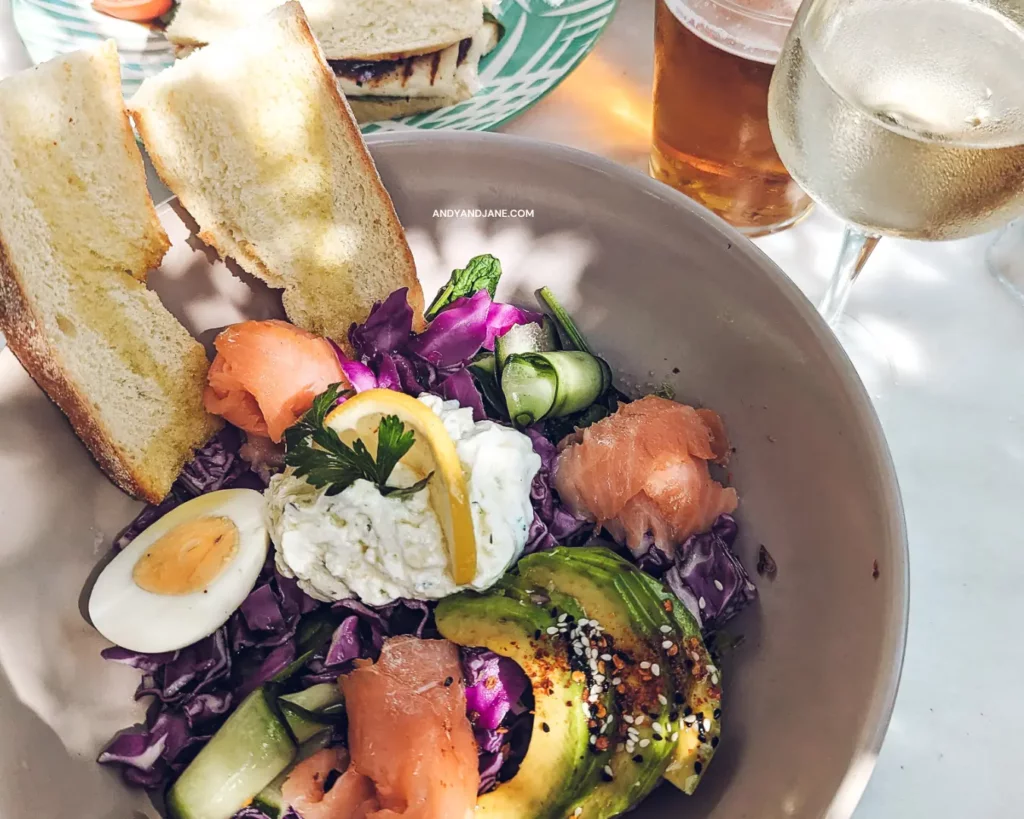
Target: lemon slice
[[433, 451]]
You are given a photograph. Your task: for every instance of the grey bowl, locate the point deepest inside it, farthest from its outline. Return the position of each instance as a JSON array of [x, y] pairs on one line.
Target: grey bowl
[[672, 296]]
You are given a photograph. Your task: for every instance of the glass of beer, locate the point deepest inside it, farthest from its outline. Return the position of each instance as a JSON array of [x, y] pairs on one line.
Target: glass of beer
[[713, 65]]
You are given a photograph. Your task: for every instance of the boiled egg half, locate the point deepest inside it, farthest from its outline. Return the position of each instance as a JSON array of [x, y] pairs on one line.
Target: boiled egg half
[[181, 579]]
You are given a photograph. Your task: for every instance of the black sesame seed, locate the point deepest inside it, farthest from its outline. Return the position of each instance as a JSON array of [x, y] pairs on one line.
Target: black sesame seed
[[606, 777], [687, 711], [545, 728], [673, 716], [714, 742], [536, 634], [718, 713], [448, 681], [657, 737], [638, 759], [679, 698], [697, 768]]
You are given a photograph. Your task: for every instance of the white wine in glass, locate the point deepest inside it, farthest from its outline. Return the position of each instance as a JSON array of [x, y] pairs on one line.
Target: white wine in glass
[[904, 117]]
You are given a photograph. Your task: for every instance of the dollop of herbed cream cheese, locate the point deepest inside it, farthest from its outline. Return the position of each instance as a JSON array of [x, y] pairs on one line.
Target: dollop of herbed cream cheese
[[361, 543]]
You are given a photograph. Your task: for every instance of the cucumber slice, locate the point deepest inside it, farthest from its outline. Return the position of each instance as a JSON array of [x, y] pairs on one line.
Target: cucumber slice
[[301, 709], [269, 800], [526, 338], [244, 756], [552, 385]]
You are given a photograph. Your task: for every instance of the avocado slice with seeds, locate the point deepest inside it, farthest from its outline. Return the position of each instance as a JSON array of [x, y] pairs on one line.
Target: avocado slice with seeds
[[699, 682], [633, 618]]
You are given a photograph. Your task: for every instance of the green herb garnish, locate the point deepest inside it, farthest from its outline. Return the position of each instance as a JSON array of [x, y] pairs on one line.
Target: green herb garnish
[[324, 460], [482, 273]]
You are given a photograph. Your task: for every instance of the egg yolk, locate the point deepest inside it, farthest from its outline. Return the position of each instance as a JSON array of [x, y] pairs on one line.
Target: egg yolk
[[189, 557]]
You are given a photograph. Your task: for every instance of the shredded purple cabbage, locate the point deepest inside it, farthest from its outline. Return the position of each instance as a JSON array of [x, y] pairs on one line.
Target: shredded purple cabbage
[[705, 574], [391, 356], [553, 524], [498, 696]]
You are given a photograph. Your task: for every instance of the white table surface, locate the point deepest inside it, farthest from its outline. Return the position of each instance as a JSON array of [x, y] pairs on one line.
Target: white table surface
[[951, 399]]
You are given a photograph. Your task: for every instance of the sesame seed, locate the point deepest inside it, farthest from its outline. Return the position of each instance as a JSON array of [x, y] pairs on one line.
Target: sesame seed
[[627, 719], [593, 740], [583, 622], [606, 657], [578, 811], [702, 603], [714, 679], [719, 586], [562, 617], [645, 665], [599, 678], [712, 668], [714, 742], [667, 644], [630, 747], [662, 699], [643, 743], [546, 728], [638, 759], [552, 630], [657, 727], [640, 720], [666, 629], [608, 770], [697, 768], [616, 680], [675, 736], [689, 720], [657, 737], [655, 670], [707, 725]]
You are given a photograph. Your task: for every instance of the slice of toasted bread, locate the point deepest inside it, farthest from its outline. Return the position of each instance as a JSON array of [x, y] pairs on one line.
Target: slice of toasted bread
[[77, 234], [346, 29], [261, 148]]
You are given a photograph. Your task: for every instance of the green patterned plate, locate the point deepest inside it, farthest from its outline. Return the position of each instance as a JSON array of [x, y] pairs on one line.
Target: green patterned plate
[[544, 40]]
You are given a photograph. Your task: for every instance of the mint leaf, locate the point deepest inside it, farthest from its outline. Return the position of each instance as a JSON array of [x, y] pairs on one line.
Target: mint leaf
[[482, 273]]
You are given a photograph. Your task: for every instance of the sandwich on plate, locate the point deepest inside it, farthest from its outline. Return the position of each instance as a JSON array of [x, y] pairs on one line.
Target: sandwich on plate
[[392, 58]]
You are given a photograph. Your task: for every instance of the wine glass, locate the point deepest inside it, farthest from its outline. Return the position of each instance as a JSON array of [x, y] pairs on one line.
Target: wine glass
[[905, 117]]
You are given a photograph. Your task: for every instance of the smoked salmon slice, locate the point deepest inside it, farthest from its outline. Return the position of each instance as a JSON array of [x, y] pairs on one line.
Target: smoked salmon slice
[[408, 731], [642, 473], [266, 375], [309, 790]]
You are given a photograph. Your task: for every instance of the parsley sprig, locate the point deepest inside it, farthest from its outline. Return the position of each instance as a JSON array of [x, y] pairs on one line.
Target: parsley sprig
[[322, 458]]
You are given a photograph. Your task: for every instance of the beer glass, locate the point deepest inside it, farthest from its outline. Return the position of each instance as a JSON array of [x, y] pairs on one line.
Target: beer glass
[[905, 117], [713, 64]]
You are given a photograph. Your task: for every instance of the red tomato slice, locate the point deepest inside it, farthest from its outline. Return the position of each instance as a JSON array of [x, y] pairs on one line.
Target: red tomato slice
[[136, 10]]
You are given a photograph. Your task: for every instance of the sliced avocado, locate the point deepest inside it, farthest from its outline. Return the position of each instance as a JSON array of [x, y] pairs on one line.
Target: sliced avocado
[[302, 708], [559, 744], [633, 619], [270, 800], [699, 682], [251, 748]]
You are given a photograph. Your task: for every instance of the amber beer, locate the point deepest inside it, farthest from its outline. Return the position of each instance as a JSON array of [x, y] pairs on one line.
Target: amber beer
[[713, 66]]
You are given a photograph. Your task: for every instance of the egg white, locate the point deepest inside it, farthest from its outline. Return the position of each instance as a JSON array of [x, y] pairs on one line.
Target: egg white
[[139, 620]]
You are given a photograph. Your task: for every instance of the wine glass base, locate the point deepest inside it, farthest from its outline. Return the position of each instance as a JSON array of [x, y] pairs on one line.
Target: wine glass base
[[868, 353]]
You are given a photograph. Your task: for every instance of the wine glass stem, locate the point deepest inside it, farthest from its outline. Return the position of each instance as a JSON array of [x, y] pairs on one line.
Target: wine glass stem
[[857, 247]]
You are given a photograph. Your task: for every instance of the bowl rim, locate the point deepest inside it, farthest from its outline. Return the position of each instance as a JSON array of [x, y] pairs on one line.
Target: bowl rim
[[883, 699]]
